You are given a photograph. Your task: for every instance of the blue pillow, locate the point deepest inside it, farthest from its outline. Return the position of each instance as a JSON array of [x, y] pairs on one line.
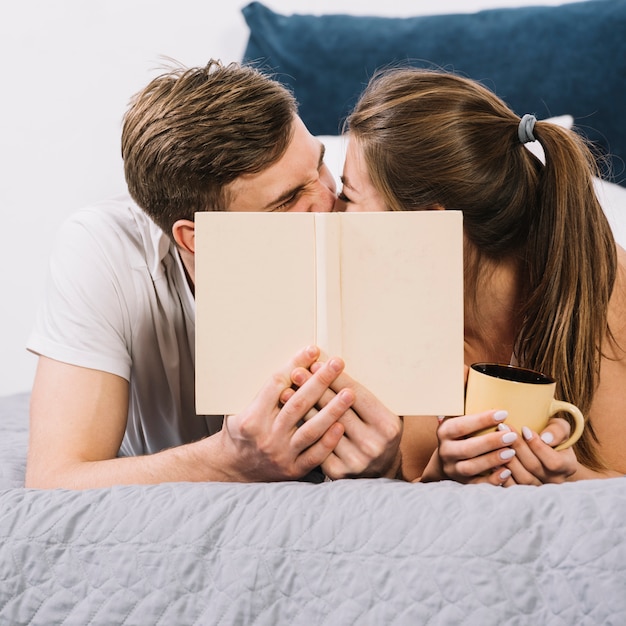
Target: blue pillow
[[545, 60]]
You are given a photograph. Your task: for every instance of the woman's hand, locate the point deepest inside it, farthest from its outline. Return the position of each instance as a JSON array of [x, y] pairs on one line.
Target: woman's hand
[[536, 461], [503, 457], [472, 459]]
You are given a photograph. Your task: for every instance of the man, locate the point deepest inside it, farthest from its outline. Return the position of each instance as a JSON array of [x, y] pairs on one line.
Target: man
[[113, 396]]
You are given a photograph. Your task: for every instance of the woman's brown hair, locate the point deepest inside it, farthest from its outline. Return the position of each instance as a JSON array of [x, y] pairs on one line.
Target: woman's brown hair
[[191, 132], [434, 138]]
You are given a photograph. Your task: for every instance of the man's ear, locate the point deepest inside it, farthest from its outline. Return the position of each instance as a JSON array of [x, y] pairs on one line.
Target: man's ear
[[184, 233]]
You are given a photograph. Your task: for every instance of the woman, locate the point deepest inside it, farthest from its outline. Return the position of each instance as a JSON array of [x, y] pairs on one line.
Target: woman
[[545, 283]]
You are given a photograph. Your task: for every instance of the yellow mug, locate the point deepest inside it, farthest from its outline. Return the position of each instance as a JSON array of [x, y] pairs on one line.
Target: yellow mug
[[527, 396]]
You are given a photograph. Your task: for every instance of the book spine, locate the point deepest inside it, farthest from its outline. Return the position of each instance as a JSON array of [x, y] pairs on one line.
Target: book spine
[[328, 331]]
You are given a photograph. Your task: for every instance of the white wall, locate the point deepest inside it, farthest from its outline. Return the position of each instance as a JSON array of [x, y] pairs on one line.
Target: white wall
[[69, 68]]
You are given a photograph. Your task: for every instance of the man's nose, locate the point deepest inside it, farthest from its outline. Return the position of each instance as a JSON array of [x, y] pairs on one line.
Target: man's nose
[[327, 192], [325, 197]]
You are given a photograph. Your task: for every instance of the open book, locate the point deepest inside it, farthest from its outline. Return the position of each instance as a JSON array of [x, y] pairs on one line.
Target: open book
[[382, 290]]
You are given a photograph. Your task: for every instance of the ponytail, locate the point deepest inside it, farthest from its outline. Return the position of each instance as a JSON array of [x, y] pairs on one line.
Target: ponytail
[[571, 263]]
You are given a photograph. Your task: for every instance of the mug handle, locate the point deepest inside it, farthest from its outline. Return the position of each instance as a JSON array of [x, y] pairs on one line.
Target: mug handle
[[579, 421]]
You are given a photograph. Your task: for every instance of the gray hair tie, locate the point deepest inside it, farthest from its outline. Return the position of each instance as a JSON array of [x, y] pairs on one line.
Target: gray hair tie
[[525, 128]]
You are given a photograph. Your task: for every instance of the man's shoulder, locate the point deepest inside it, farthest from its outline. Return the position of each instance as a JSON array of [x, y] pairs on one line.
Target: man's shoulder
[[118, 212], [118, 226]]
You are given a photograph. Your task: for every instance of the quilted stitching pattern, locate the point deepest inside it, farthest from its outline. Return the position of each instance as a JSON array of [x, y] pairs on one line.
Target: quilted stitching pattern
[[13, 439], [348, 552]]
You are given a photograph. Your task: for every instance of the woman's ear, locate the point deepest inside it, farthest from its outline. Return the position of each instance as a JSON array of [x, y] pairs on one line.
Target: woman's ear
[[184, 233]]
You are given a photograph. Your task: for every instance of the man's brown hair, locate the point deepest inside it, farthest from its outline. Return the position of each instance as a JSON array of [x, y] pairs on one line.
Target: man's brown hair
[[192, 131]]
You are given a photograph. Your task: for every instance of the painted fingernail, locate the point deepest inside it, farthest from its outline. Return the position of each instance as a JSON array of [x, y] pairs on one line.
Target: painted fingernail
[[547, 438], [498, 416], [504, 474], [504, 427], [507, 454], [527, 433], [509, 437]]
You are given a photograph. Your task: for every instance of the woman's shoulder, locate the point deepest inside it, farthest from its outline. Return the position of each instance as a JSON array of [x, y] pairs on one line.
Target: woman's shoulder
[[608, 408], [619, 291], [617, 304]]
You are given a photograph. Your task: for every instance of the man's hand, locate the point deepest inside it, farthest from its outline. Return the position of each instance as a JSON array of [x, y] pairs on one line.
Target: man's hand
[[268, 441], [370, 444], [78, 419]]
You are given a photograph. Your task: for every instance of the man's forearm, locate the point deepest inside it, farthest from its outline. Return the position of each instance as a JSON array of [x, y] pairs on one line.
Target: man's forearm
[[201, 461]]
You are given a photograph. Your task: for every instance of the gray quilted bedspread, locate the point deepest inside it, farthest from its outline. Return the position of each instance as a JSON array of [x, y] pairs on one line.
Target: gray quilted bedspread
[[348, 552]]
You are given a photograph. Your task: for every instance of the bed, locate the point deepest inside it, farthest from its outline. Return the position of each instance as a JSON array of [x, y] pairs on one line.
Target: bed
[[353, 551], [347, 552]]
